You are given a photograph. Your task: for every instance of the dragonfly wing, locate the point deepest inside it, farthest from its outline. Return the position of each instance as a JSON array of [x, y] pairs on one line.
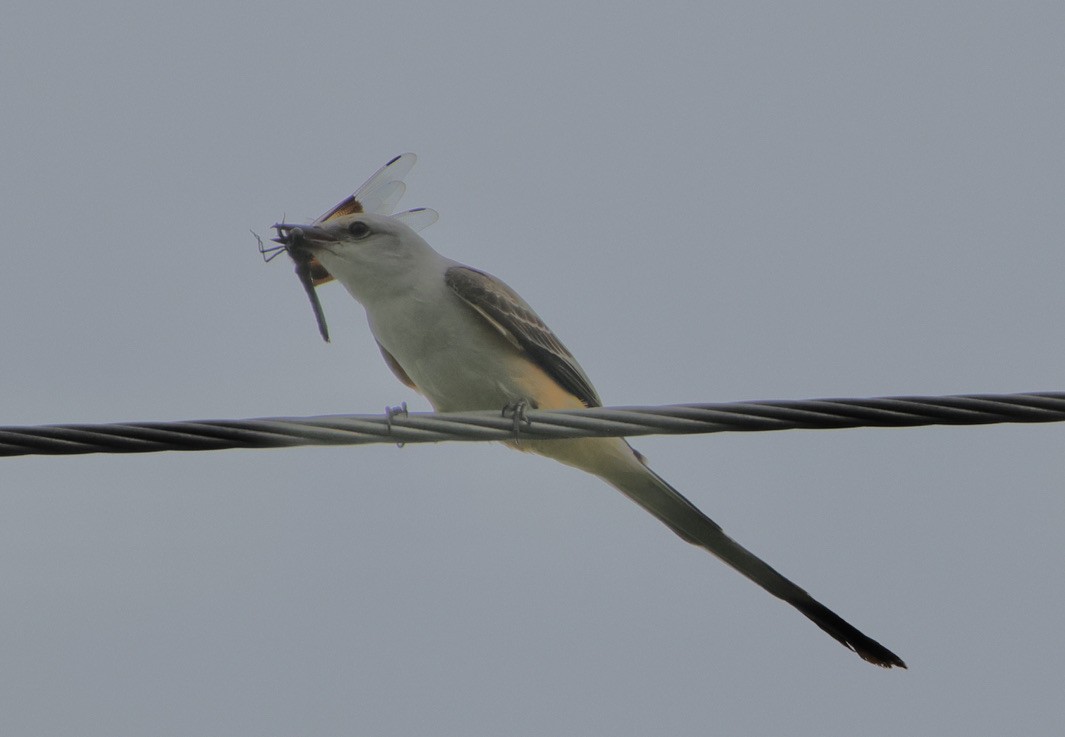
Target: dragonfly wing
[[379, 194], [418, 219]]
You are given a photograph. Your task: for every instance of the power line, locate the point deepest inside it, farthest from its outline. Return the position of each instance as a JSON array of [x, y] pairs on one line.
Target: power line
[[402, 427]]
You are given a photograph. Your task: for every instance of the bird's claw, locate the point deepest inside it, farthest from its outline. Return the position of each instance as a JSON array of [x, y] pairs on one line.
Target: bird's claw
[[516, 410], [391, 412]]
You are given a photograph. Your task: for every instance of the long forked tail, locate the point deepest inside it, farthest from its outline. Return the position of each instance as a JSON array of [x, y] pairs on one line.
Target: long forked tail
[[650, 491]]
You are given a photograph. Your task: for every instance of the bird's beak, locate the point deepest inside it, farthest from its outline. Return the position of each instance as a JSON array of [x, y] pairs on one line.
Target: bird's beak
[[301, 242], [301, 236]]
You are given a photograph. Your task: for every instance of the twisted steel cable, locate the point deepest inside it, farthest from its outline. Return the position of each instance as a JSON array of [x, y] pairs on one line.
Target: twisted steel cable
[[398, 426]]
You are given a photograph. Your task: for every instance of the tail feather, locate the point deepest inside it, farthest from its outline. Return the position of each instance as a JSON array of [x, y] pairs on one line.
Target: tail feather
[[642, 485], [866, 647]]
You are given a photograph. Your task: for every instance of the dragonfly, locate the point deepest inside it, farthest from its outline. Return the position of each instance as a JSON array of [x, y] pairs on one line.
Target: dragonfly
[[379, 195]]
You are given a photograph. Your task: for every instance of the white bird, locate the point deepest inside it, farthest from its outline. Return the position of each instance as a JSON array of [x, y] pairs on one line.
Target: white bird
[[467, 341]]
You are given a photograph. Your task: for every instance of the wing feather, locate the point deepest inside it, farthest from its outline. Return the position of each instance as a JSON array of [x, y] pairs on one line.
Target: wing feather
[[514, 318]]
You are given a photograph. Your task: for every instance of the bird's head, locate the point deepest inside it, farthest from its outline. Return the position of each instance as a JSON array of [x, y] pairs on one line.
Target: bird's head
[[364, 252]]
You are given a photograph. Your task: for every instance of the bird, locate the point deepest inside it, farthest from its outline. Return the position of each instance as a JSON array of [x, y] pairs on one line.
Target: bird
[[465, 340]]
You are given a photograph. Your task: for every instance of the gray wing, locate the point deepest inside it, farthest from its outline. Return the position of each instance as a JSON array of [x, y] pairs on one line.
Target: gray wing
[[514, 318]]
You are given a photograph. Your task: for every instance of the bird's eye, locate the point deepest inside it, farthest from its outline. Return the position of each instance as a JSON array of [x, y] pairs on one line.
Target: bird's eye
[[359, 229]]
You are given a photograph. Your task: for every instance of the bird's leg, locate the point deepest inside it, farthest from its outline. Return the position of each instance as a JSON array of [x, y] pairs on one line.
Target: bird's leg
[[516, 410], [391, 412]]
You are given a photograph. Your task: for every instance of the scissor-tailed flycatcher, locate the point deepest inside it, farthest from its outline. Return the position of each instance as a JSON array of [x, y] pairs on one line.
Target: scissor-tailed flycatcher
[[467, 341]]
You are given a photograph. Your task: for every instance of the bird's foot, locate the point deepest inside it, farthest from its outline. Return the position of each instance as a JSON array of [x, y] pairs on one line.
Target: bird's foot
[[391, 412], [516, 410]]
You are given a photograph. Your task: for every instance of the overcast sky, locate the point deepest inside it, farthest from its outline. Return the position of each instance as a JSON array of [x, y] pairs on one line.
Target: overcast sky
[[708, 202]]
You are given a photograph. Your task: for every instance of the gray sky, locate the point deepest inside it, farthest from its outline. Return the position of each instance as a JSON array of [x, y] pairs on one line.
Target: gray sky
[[707, 202]]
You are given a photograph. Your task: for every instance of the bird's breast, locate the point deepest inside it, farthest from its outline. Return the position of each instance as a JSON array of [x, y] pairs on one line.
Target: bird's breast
[[455, 357]]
